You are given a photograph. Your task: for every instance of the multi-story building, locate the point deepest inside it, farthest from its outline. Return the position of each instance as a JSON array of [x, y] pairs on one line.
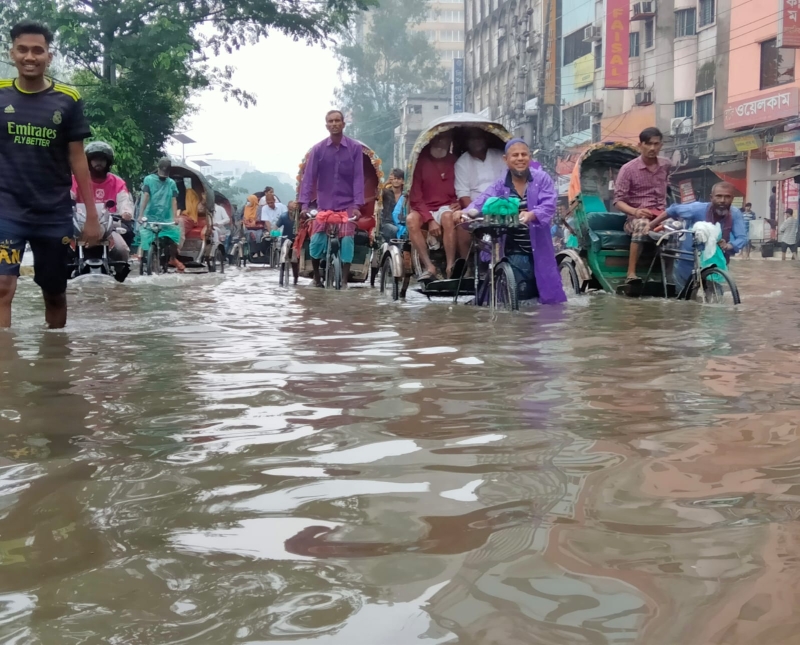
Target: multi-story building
[[503, 50], [764, 99], [416, 112], [444, 27], [676, 75]]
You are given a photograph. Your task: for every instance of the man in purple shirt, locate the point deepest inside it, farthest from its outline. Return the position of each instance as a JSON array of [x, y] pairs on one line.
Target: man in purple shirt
[[334, 179]]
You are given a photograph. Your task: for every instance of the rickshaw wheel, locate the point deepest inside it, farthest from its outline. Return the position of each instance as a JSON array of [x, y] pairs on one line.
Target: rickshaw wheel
[[569, 277], [285, 272], [387, 274], [237, 257], [716, 288], [219, 259], [505, 284]]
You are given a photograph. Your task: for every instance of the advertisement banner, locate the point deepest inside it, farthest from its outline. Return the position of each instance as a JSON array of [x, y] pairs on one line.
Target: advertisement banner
[[551, 55], [788, 23], [687, 192], [584, 70], [458, 85], [617, 43]]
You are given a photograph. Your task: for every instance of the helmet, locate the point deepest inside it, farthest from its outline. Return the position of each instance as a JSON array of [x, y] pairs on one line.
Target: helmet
[[100, 148]]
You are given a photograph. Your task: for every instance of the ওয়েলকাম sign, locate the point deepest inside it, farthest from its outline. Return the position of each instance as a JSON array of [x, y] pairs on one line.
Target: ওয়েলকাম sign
[[618, 43], [781, 104]]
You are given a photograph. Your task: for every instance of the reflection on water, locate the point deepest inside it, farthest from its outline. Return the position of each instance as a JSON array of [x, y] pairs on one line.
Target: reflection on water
[[208, 459]]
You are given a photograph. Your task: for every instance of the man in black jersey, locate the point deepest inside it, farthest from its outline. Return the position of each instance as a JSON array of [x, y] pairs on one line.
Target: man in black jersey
[[42, 128]]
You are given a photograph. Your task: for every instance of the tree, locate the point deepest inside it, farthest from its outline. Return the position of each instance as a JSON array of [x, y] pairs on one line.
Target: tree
[[139, 61], [392, 62], [255, 182]]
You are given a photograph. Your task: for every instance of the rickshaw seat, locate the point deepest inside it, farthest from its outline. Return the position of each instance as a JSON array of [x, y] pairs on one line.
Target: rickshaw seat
[[361, 238], [607, 232]]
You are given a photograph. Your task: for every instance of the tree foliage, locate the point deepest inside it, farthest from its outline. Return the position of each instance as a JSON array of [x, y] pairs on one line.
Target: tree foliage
[[392, 62], [139, 62]]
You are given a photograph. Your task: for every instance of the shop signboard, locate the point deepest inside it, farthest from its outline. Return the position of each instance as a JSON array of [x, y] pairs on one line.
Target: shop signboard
[[617, 43], [781, 104], [788, 24], [783, 150], [745, 144], [584, 71], [687, 191]]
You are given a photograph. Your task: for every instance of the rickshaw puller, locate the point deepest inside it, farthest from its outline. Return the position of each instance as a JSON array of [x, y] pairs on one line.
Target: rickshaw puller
[[335, 173], [538, 198]]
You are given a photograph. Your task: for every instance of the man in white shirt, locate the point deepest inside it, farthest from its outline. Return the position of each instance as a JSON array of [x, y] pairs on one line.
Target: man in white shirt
[[478, 168], [271, 209]]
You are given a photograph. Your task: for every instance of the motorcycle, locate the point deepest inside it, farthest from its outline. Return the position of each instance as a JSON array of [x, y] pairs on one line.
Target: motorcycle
[[107, 258]]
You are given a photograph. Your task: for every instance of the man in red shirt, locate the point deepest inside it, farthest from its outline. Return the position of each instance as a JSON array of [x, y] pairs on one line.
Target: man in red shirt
[[433, 201], [641, 193]]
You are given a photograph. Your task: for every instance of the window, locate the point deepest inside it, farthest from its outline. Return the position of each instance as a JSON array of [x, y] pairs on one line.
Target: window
[[683, 109], [574, 47], [685, 21], [415, 109], [705, 108], [573, 120], [598, 55], [451, 36], [707, 12], [649, 33], [450, 54], [634, 44], [597, 132], [777, 65], [446, 15]]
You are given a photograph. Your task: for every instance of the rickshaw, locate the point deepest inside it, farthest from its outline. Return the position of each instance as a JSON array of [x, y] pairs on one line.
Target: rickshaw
[[201, 247], [601, 261], [494, 282], [365, 261]]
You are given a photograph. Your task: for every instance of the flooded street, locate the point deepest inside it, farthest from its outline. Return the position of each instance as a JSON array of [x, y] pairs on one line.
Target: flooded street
[[209, 459]]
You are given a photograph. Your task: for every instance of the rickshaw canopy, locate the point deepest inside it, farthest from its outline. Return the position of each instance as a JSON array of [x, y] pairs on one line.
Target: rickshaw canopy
[[180, 171], [447, 123], [619, 153]]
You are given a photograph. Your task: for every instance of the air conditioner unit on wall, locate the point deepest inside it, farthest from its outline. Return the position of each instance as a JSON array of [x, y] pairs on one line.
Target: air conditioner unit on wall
[[592, 34], [680, 126], [644, 98], [643, 10], [593, 108], [704, 149]]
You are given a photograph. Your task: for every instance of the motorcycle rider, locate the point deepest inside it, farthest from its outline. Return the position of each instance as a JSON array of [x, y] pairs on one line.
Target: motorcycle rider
[[109, 187]]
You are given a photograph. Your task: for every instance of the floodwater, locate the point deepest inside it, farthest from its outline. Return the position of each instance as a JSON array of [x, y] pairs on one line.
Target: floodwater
[[209, 459]]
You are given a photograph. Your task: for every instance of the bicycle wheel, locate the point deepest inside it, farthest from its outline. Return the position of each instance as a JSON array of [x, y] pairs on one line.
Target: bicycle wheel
[[143, 262], [336, 272], [389, 284], [153, 260], [716, 287], [505, 287], [569, 277]]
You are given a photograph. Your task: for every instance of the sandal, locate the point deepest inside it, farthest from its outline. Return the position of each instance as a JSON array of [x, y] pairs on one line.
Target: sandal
[[179, 266], [426, 276], [633, 280]]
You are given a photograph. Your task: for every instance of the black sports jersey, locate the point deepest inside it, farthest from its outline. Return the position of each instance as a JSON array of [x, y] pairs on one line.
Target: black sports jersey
[[35, 132]]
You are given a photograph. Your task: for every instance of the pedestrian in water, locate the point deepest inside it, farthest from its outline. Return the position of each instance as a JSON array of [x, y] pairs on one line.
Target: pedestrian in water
[[788, 234], [748, 216]]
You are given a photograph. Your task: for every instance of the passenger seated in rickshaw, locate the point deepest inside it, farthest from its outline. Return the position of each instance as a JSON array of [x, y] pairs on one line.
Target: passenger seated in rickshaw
[[194, 216], [433, 201], [253, 225], [530, 251]]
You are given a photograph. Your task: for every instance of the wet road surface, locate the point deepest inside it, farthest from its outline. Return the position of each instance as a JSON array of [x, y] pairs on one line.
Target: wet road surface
[[213, 459]]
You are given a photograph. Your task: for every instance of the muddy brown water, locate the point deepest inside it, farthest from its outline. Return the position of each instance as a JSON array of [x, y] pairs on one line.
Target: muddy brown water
[[214, 459]]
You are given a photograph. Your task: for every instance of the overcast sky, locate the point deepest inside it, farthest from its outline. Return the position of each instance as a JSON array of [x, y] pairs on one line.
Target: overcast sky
[[294, 83]]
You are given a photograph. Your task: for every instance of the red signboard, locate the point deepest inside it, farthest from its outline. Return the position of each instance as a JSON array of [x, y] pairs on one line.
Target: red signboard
[[783, 150], [789, 23], [687, 192], [617, 43], [781, 104]]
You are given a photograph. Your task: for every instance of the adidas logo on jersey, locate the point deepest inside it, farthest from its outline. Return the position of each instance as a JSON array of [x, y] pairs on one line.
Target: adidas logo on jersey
[[10, 110]]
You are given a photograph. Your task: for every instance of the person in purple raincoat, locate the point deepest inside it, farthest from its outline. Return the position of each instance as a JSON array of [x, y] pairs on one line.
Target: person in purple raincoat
[[530, 252]]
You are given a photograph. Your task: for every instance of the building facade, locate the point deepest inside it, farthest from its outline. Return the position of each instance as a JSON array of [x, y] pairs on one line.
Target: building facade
[[764, 99], [445, 29], [417, 111], [503, 53]]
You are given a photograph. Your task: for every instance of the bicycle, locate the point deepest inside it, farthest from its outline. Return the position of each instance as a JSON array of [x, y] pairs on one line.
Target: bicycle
[[156, 258], [709, 285]]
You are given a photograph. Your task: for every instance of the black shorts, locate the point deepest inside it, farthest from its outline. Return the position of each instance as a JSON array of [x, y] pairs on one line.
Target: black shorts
[[51, 252], [791, 247]]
